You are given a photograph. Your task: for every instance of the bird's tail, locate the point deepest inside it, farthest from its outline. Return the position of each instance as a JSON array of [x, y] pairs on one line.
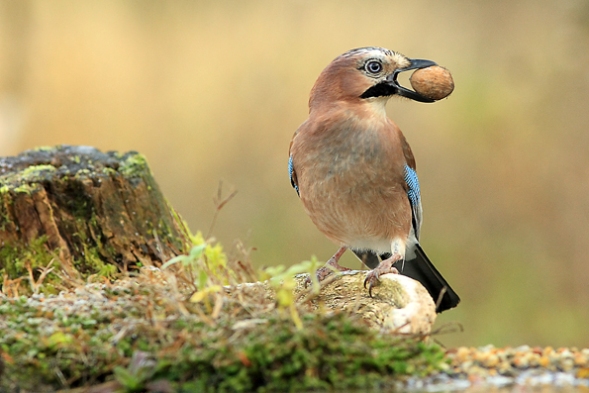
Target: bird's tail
[[423, 270]]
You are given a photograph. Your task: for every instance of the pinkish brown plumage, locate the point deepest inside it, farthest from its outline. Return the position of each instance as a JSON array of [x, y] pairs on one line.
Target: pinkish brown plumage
[[341, 164], [355, 172]]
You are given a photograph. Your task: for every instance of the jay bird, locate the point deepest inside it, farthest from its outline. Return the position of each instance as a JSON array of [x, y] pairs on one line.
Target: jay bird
[[355, 173]]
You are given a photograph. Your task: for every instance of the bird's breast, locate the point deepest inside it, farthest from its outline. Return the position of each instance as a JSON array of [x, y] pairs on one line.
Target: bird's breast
[[351, 182]]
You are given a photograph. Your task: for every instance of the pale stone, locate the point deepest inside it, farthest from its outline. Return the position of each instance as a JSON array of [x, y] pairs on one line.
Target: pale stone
[[399, 303]]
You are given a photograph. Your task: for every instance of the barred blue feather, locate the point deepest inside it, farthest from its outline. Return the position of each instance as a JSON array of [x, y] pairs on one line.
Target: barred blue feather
[[291, 175], [413, 183]]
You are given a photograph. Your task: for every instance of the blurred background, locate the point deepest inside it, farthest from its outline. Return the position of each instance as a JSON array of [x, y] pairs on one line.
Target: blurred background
[[213, 91]]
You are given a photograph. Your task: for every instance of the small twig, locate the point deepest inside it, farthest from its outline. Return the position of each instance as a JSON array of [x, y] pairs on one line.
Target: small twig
[[448, 328], [441, 296], [454, 327], [311, 294], [36, 284], [60, 376], [10, 287], [217, 307], [219, 202]]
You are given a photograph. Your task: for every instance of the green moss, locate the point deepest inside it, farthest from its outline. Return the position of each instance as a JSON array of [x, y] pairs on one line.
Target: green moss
[[25, 188], [333, 352], [83, 173], [134, 165], [108, 271], [44, 148], [109, 171], [16, 260], [5, 203], [33, 172], [91, 262], [165, 231], [25, 180]]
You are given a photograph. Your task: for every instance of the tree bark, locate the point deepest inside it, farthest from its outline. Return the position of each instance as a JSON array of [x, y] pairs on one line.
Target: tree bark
[[83, 210]]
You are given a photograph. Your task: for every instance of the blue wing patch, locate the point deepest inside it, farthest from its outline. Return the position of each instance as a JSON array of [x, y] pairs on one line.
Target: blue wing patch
[[413, 183], [291, 174]]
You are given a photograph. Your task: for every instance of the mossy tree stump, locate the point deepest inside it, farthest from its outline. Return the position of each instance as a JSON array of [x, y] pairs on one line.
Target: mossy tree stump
[[85, 210]]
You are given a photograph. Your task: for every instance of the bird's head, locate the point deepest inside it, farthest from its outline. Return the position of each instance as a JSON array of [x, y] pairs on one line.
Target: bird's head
[[365, 75]]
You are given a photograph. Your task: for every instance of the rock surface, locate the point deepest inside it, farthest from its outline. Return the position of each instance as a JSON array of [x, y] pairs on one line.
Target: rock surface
[[399, 304], [509, 369]]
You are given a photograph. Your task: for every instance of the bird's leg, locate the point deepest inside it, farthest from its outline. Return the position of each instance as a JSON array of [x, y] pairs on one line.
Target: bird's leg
[[386, 266], [331, 265]]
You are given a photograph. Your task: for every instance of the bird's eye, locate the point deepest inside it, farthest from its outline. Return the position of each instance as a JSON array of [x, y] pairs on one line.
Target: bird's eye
[[374, 67]]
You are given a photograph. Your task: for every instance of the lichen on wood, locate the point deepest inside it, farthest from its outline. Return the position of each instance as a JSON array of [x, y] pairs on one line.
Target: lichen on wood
[[86, 211]]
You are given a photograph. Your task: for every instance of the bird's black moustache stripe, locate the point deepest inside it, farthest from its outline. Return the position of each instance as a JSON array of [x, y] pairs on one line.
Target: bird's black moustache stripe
[[382, 89]]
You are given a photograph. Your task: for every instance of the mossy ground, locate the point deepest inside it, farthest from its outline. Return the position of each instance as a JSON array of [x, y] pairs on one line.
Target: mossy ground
[[176, 329]]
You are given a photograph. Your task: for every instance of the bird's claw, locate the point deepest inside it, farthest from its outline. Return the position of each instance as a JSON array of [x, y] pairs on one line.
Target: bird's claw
[[326, 270], [322, 273], [372, 280], [373, 276]]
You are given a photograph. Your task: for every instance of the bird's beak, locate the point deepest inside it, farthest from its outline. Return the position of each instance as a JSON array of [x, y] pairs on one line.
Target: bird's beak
[[403, 91]]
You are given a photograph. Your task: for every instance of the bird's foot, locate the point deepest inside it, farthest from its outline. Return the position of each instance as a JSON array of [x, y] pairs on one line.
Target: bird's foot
[[330, 266], [327, 269], [386, 266]]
